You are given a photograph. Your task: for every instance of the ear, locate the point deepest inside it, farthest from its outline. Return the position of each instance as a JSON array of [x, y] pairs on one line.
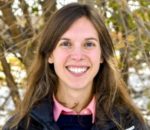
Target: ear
[[50, 59]]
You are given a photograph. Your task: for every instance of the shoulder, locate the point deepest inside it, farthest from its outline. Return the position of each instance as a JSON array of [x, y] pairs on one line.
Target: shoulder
[[133, 121], [7, 124], [40, 111], [20, 126], [130, 120], [26, 123]]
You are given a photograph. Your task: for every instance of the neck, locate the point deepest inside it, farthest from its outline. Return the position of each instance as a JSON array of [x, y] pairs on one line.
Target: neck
[[74, 99]]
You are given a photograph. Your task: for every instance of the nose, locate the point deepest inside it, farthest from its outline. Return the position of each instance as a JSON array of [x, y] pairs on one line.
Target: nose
[[77, 54]]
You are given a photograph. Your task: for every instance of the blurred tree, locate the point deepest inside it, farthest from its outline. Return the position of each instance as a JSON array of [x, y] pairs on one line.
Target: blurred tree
[[128, 22], [19, 39]]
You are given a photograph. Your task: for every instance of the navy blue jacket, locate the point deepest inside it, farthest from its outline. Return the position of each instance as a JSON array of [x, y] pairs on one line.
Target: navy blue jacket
[[41, 118]]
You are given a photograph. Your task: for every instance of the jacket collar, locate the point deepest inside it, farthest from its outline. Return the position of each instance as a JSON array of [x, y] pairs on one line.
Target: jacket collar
[[43, 113]]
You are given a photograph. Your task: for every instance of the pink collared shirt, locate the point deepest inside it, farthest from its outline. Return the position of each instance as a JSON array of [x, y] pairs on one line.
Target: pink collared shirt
[[60, 109]]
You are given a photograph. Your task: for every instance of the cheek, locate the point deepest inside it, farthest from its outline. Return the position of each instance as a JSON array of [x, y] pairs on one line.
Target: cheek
[[96, 57], [59, 58]]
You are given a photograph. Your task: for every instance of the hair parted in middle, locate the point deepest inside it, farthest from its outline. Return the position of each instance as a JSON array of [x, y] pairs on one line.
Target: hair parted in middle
[[108, 86]]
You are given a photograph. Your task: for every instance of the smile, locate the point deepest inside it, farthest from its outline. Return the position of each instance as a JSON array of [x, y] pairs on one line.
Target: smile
[[77, 70]]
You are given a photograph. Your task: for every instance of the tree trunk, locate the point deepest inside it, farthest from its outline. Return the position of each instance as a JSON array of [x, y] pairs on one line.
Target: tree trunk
[[124, 53], [90, 2], [28, 26], [49, 7], [9, 78], [15, 32]]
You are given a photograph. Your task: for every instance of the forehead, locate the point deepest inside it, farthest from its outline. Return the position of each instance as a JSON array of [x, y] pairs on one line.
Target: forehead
[[80, 28]]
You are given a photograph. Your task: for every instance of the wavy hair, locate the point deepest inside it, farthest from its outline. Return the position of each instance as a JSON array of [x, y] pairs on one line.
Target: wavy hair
[[108, 86]]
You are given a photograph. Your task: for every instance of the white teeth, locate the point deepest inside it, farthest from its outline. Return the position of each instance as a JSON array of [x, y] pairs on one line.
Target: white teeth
[[77, 70]]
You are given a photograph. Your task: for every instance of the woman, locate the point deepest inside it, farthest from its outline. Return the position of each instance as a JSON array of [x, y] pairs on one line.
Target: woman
[[74, 83]]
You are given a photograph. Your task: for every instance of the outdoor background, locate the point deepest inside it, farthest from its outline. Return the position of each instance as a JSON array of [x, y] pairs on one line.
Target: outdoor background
[[21, 22]]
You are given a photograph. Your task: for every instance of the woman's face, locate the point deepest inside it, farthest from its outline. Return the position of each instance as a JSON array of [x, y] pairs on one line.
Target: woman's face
[[77, 56]]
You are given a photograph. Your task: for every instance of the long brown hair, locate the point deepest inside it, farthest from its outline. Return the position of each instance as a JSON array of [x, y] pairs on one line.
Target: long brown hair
[[108, 86]]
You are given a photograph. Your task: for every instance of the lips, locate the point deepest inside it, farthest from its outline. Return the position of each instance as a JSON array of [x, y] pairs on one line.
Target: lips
[[78, 69]]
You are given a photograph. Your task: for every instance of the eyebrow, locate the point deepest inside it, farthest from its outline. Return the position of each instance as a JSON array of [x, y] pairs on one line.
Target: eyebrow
[[64, 38], [90, 38]]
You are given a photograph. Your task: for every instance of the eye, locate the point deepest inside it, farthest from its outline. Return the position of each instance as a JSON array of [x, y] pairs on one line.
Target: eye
[[65, 44], [89, 44]]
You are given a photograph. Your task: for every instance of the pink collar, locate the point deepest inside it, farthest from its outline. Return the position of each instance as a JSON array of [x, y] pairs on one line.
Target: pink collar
[[60, 109]]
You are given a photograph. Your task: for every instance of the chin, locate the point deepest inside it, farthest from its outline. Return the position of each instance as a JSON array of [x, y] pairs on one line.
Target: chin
[[78, 86]]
